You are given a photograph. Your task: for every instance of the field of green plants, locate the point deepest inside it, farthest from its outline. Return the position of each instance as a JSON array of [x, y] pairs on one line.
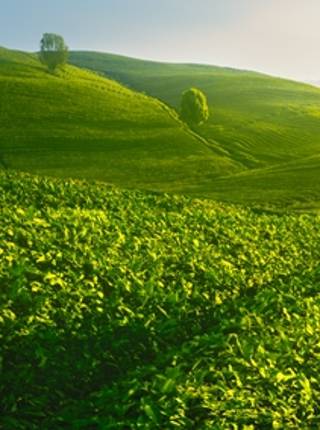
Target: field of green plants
[[124, 310]]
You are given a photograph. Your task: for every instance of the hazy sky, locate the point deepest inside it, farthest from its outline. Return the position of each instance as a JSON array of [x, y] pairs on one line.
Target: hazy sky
[[280, 37]]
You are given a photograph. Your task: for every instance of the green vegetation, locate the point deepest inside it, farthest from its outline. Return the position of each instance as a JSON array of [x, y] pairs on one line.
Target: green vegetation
[[260, 147], [129, 310], [294, 186], [194, 107], [259, 121], [78, 124], [53, 51]]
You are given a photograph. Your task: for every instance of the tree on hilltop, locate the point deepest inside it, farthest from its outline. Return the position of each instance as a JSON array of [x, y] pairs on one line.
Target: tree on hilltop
[[53, 51], [194, 107]]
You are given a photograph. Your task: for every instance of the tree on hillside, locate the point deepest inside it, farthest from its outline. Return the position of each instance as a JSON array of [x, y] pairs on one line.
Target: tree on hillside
[[53, 51], [194, 107]]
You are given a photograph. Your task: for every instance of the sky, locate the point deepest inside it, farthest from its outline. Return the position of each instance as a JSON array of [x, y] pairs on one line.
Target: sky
[[279, 37]]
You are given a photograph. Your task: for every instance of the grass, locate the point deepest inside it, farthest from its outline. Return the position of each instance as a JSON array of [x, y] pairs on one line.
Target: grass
[[128, 310], [295, 185], [78, 124], [258, 121]]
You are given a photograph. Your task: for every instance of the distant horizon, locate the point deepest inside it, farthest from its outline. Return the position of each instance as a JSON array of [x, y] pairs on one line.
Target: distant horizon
[[278, 38]]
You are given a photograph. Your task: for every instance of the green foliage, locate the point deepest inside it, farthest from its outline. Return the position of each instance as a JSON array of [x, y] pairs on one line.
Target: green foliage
[[53, 51], [128, 310], [194, 107]]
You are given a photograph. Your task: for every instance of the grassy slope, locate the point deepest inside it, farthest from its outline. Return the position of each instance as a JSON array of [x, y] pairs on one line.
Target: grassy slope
[[295, 184], [82, 125], [259, 120], [131, 310]]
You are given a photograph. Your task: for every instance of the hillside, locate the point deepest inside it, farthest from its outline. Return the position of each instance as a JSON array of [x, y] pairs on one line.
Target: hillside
[[261, 144], [77, 124], [131, 310], [295, 185], [259, 121]]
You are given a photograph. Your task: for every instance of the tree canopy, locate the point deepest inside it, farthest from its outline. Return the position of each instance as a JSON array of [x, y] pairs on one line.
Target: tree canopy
[[194, 107], [53, 51]]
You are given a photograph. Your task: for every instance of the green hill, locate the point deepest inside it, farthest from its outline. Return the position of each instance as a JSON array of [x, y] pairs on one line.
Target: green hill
[[261, 144], [259, 121], [295, 184], [130, 310], [78, 124], [257, 118]]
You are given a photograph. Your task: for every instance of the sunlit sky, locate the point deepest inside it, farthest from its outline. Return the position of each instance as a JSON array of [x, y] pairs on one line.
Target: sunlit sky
[[279, 37]]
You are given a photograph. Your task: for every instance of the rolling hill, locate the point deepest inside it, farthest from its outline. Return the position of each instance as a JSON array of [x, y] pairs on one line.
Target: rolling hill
[[261, 145], [258, 120], [78, 124], [294, 185]]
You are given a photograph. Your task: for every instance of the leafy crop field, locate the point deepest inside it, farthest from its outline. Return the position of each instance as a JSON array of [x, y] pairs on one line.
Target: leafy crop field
[[131, 310]]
